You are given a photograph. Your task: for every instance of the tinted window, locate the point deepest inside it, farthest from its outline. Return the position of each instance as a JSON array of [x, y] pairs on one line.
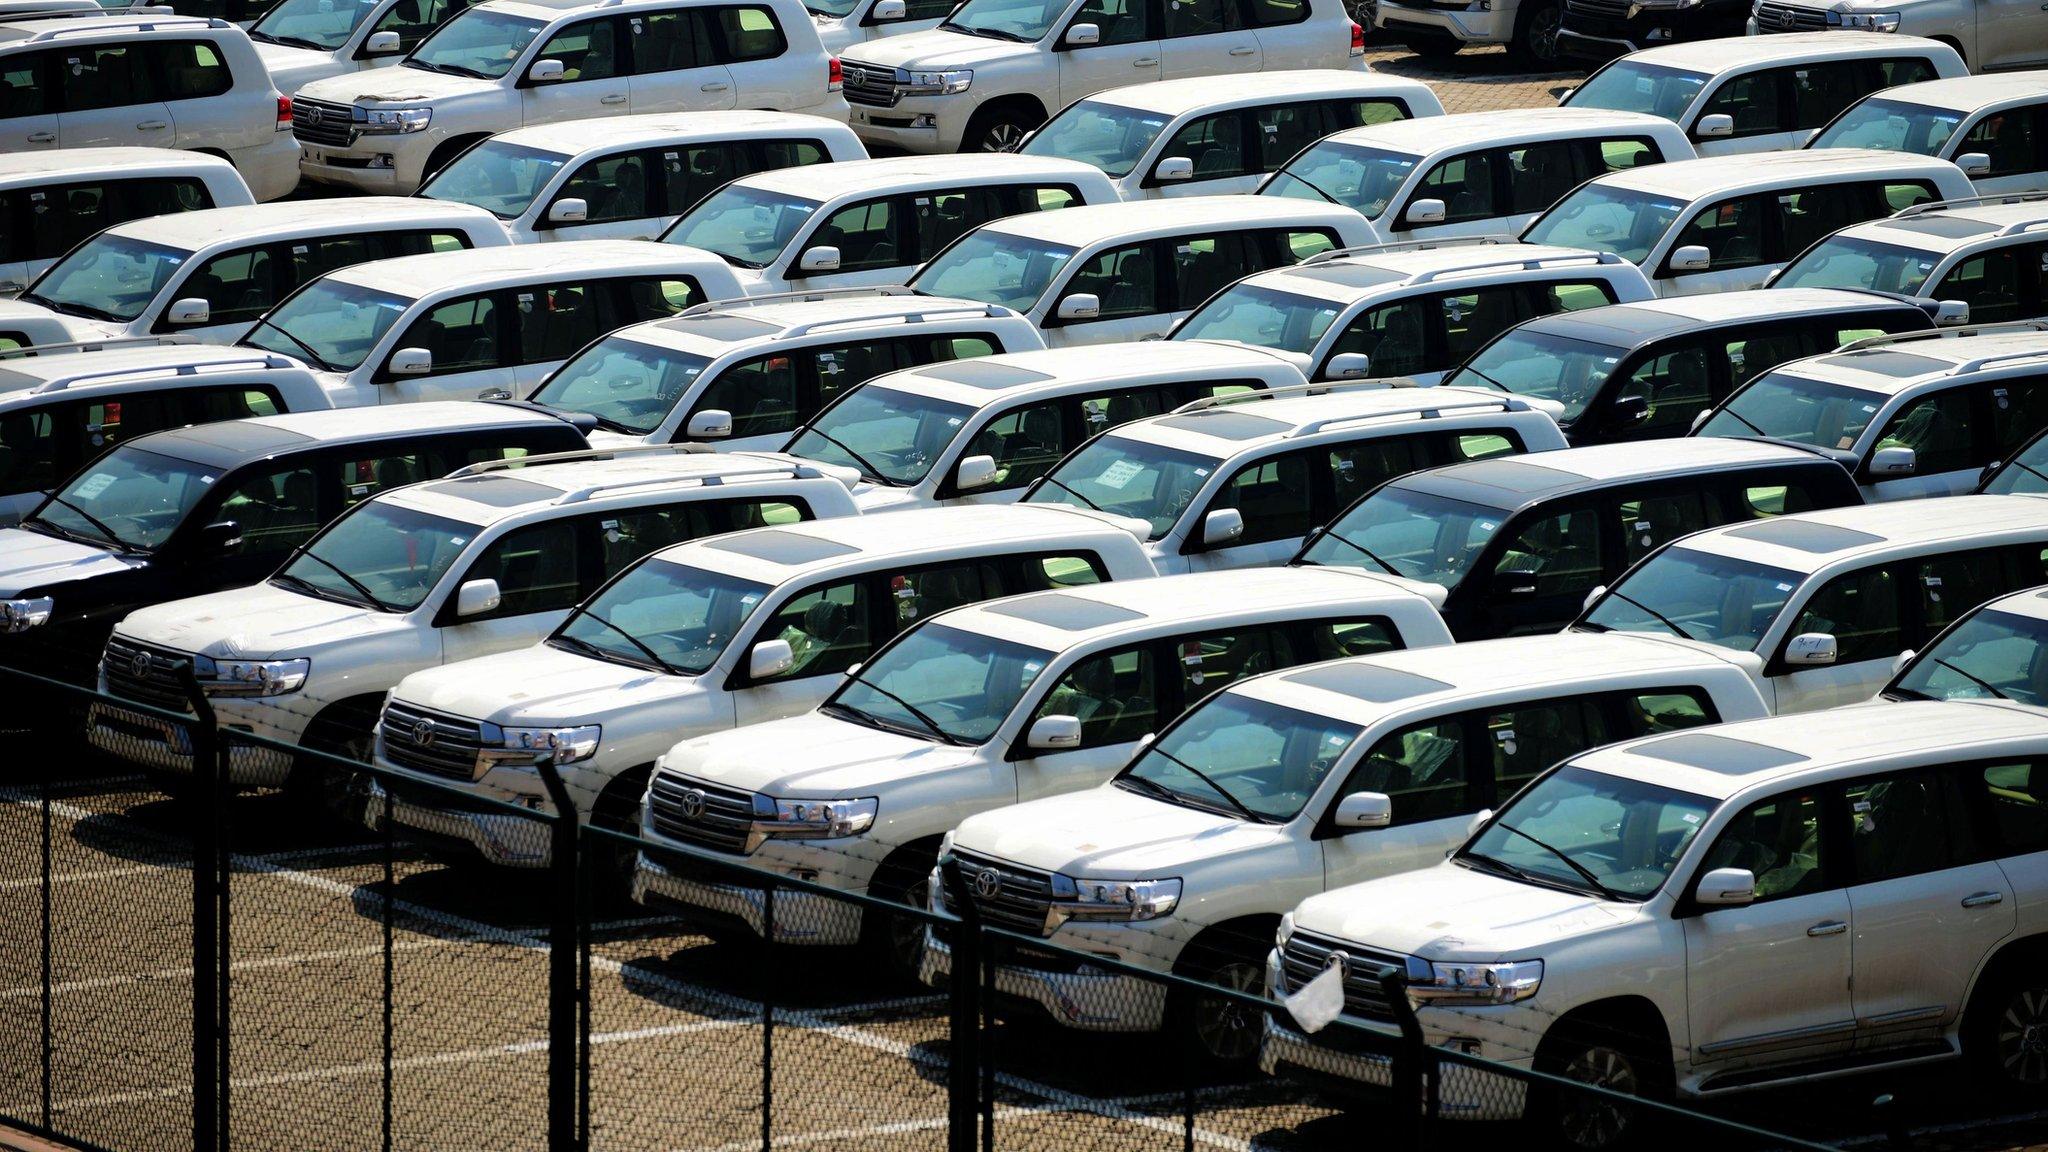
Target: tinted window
[[1275, 496], [1991, 284], [1539, 175], [1677, 385], [1125, 280], [23, 89], [1121, 21], [104, 76], [1733, 232], [615, 188], [2019, 409], [1937, 428], [1214, 144], [413, 19], [1219, 659], [1465, 184], [1907, 824], [1201, 17], [867, 236], [28, 451], [1651, 521], [1422, 769], [58, 216], [2012, 140], [1647, 713], [1564, 552], [1025, 444], [827, 630], [535, 568], [666, 42], [1394, 336], [1819, 91], [1472, 318], [238, 286], [190, 70], [1531, 737], [554, 321], [462, 335], [1861, 611], [1267, 13], [750, 34], [1779, 842], [588, 50], [1114, 695], [2019, 804], [276, 511], [1753, 101]]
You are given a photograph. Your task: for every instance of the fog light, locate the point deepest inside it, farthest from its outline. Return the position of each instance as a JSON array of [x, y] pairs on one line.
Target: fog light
[[1464, 1045], [1658, 34], [925, 120], [382, 160]]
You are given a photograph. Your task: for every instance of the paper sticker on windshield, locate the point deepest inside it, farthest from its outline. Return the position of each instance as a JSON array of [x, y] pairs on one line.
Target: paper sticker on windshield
[[95, 484], [1784, 587], [1119, 474]]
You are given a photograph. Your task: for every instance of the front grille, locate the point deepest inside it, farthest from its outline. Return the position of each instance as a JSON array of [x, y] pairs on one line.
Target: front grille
[[1789, 18], [146, 674], [431, 742], [1600, 9], [1307, 954], [705, 815], [1006, 895], [323, 122], [867, 84]]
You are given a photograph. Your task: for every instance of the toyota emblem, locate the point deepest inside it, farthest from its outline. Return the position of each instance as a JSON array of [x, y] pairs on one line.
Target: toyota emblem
[[139, 667], [423, 733], [693, 804], [1341, 962], [988, 883], [310, 115], [1785, 18]]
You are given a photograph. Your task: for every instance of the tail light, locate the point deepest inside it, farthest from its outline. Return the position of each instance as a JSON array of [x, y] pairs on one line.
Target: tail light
[[284, 113], [1357, 40], [835, 77]]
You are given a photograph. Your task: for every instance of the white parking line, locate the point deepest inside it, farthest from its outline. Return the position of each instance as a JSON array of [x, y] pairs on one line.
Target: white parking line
[[896, 1128]]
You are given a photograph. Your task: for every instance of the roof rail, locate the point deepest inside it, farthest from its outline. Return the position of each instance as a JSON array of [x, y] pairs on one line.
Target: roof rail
[[140, 23], [91, 345], [945, 310], [795, 469], [225, 360], [484, 466], [739, 303], [1987, 328], [79, 13], [1287, 391], [1922, 209], [1529, 265], [1407, 246], [1504, 404], [1983, 362]]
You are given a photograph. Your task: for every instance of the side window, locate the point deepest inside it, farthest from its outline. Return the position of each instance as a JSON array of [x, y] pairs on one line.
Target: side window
[[206, 405], [842, 366], [2019, 408], [1529, 738], [1341, 638], [1753, 102], [1648, 713], [462, 335], [667, 42], [682, 176], [1200, 17], [1778, 840], [1460, 446], [1204, 264], [962, 347], [363, 478], [1274, 495], [1121, 21], [1937, 428], [190, 70], [1272, 13], [657, 298], [1990, 284], [276, 511], [555, 320], [535, 568], [1470, 319], [1861, 611], [1905, 70], [1215, 144], [315, 257], [24, 89], [1651, 521], [60, 216], [943, 217], [1025, 442], [1539, 175], [2019, 804], [1821, 90], [158, 197], [237, 286], [28, 451], [1048, 197], [1760, 500], [413, 19], [615, 187], [1951, 585], [1298, 246], [1422, 769], [104, 76], [1126, 280], [1572, 295], [1100, 413], [1114, 695], [1394, 336], [1466, 186], [1906, 825], [1618, 155], [1677, 386], [866, 235], [750, 34], [588, 50], [1046, 572], [114, 421], [1810, 214], [929, 591], [1563, 551], [1344, 114], [2011, 139], [1751, 353], [761, 394], [827, 629], [1732, 231], [1220, 659], [1280, 132], [1362, 465]]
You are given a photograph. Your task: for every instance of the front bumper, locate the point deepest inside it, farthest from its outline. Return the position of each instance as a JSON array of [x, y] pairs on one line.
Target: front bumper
[[154, 742], [358, 166], [1597, 36], [1087, 999], [1461, 24], [915, 124], [801, 917], [499, 837]]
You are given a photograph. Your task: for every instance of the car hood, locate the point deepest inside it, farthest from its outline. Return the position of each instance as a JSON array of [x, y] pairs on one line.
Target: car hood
[[1436, 594], [880, 498], [539, 685], [1451, 912], [258, 622], [937, 48], [1109, 832], [831, 758], [76, 327], [400, 85], [293, 68], [33, 560]]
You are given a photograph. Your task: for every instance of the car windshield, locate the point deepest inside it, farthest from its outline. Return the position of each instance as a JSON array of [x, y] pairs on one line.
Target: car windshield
[[1543, 366], [898, 433], [681, 617], [831, 9], [1250, 314], [1019, 20], [1680, 591], [1417, 534], [1573, 824], [1852, 262], [1349, 174], [129, 497], [109, 277], [994, 268], [1234, 751], [322, 24], [476, 42], [1890, 126], [1128, 477], [963, 682], [2025, 472], [1795, 408], [1626, 86], [500, 178], [629, 386], [1992, 655], [336, 322], [393, 555], [749, 227], [1605, 218], [1109, 136]]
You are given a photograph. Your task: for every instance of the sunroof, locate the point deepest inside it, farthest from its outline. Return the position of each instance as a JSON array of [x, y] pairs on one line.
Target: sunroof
[[1720, 754], [1513, 475], [1225, 425], [1881, 362], [1064, 611], [494, 491], [982, 374], [724, 329], [1804, 535], [1369, 682], [779, 546]]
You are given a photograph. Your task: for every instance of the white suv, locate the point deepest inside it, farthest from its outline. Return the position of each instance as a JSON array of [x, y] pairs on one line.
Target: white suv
[[1701, 912], [1988, 125], [301, 41], [63, 197], [1292, 783], [1992, 652], [702, 636], [435, 572], [1017, 699], [996, 69], [504, 64], [86, 80], [1982, 258], [1988, 41]]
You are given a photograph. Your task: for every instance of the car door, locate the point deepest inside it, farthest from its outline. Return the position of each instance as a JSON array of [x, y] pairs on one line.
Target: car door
[[1471, 189], [1276, 497], [2010, 34], [1288, 40], [1428, 769], [1132, 287], [471, 350], [542, 570], [1116, 697], [751, 48], [1205, 38], [676, 63], [1862, 610], [2015, 143], [1768, 982], [1949, 447], [1759, 105], [277, 506], [621, 193], [877, 243], [111, 97], [1127, 51], [238, 286], [29, 99], [594, 82], [1216, 147], [1739, 235], [1544, 563], [194, 81], [2000, 284]]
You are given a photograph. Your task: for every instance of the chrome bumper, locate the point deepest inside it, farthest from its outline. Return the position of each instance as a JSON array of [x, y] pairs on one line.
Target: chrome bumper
[[154, 742], [801, 917], [1091, 1000], [500, 838]]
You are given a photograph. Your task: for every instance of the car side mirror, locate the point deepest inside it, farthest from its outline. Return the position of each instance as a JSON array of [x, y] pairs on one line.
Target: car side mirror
[[1054, 734], [1514, 582], [1427, 211], [1974, 164], [476, 597], [1597, 592], [1690, 258], [1364, 810], [190, 310], [1811, 649], [545, 71], [1630, 410], [887, 11], [382, 44], [1726, 888], [974, 472], [708, 424], [1900, 661], [823, 258], [769, 659], [1221, 526], [1348, 366], [1700, 419], [1080, 306], [1715, 125], [1894, 461], [1477, 822], [1082, 35], [220, 536], [569, 210], [1950, 313], [1173, 169], [410, 362]]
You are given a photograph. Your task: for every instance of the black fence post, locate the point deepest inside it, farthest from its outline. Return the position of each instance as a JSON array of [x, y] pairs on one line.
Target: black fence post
[[962, 1071], [1409, 1056], [390, 890], [207, 975], [768, 1019], [565, 939], [49, 1030]]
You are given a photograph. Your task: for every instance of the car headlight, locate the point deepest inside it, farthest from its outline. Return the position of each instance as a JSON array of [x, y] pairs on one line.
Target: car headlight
[[22, 615], [1865, 21], [528, 745], [1286, 930], [1500, 983], [251, 677], [392, 121], [1079, 898], [944, 83], [820, 819]]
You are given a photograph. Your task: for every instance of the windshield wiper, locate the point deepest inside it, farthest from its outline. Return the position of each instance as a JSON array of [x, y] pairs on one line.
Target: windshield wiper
[[606, 423], [1974, 679], [1362, 550], [2023, 466], [90, 519], [1464, 368], [70, 309], [991, 33], [361, 588], [867, 467], [916, 712], [1311, 186], [1584, 872], [1746, 421], [1661, 618], [1219, 789], [315, 357], [1049, 478], [635, 641]]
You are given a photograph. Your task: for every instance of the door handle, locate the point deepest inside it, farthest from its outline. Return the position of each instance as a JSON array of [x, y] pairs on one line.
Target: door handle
[[1828, 928], [41, 137], [1144, 61], [714, 86], [1243, 50], [615, 98], [1983, 899], [152, 125]]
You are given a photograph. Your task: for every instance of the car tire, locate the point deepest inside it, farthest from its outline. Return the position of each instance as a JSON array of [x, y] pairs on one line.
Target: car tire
[[1536, 27], [2005, 1033], [1606, 1055], [327, 790], [999, 129], [1432, 47], [1223, 1031], [895, 942]]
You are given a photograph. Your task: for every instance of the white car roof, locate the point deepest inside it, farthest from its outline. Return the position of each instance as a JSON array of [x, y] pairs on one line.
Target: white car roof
[[1227, 430], [1429, 135], [987, 381], [1808, 542], [1204, 94], [379, 420], [817, 547], [2028, 602], [1087, 224], [1959, 224], [482, 268], [1969, 93], [1730, 759], [1759, 303], [16, 29], [72, 163], [1889, 367], [554, 11], [1694, 180], [723, 325], [1570, 469], [1734, 53], [28, 373], [283, 220], [495, 494], [570, 137], [909, 173], [1363, 273]]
